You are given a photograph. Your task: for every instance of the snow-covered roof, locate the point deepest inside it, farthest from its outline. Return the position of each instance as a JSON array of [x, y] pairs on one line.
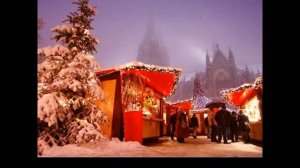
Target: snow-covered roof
[[258, 81], [185, 104], [162, 79], [238, 96]]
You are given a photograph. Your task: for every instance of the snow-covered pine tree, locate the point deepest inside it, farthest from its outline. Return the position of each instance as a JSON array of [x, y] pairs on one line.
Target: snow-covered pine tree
[[198, 92], [68, 86]]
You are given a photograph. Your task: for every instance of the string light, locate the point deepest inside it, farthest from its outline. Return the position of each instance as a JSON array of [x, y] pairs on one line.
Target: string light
[[257, 83], [153, 68]]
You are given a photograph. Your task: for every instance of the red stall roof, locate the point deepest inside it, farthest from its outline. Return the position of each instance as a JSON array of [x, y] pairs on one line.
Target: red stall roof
[[162, 79], [238, 96], [185, 104]]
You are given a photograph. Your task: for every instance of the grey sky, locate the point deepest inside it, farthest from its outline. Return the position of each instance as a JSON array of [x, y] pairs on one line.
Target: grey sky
[[188, 29]]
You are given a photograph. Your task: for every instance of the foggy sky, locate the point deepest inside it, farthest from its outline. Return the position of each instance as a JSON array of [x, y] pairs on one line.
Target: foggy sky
[[188, 28]]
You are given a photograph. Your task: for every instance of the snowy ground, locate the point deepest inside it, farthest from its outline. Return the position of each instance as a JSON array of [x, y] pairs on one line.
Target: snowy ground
[[200, 147]]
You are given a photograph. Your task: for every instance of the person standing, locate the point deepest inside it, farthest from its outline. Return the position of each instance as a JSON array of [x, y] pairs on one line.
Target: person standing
[[207, 127], [212, 125], [234, 127], [181, 126], [173, 124], [223, 118], [194, 125], [244, 126]]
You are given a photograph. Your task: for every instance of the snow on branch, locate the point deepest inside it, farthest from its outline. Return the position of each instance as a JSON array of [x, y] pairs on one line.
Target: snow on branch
[[51, 107], [93, 63], [47, 106], [56, 50], [94, 89], [83, 132]]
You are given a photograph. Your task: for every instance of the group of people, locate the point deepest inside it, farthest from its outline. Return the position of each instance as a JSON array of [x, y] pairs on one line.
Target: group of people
[[225, 125], [221, 125]]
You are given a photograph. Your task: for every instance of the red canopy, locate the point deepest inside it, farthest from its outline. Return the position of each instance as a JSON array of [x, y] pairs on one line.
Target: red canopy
[[238, 96], [184, 104], [161, 79]]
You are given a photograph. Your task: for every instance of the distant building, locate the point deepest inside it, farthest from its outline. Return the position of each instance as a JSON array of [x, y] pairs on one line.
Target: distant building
[[151, 49], [222, 73]]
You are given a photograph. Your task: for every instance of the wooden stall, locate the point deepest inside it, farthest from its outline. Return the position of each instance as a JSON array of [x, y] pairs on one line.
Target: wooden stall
[[172, 107], [134, 94], [201, 114], [249, 98]]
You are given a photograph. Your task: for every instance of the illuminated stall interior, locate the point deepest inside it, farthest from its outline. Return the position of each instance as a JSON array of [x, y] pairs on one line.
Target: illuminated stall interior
[[249, 98], [200, 114], [139, 91], [172, 107]]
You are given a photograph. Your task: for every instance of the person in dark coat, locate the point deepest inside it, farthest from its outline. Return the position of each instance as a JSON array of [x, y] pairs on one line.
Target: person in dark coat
[[207, 127], [173, 124], [244, 126], [223, 118], [212, 125], [194, 125], [234, 127], [182, 129]]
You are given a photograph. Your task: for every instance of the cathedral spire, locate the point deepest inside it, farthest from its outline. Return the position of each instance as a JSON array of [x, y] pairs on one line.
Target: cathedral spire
[[230, 52], [207, 60], [246, 68], [151, 49], [208, 65], [232, 67], [231, 58], [247, 75], [258, 73], [151, 33]]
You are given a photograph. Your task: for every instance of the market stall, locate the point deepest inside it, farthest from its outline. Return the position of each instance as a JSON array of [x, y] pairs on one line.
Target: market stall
[[133, 99], [249, 98], [201, 113], [172, 107]]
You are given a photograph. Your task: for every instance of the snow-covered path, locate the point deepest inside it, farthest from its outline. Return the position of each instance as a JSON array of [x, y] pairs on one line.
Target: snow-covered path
[[200, 147]]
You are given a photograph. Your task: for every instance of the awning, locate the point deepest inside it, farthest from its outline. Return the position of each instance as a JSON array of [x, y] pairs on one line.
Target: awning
[[240, 95], [184, 104], [239, 98], [161, 79]]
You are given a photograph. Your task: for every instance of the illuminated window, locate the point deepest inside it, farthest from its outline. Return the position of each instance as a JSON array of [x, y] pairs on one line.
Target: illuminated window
[[165, 117], [252, 110]]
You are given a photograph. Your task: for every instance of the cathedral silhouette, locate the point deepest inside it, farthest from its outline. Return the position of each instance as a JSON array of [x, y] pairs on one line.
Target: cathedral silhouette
[[221, 71]]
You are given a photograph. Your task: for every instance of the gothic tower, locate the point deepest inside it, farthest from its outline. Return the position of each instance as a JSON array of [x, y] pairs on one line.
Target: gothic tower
[[220, 74], [232, 68], [152, 50], [208, 72]]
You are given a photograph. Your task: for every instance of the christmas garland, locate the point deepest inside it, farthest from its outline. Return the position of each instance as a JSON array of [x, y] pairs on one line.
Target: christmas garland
[[257, 83], [153, 68], [179, 102]]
